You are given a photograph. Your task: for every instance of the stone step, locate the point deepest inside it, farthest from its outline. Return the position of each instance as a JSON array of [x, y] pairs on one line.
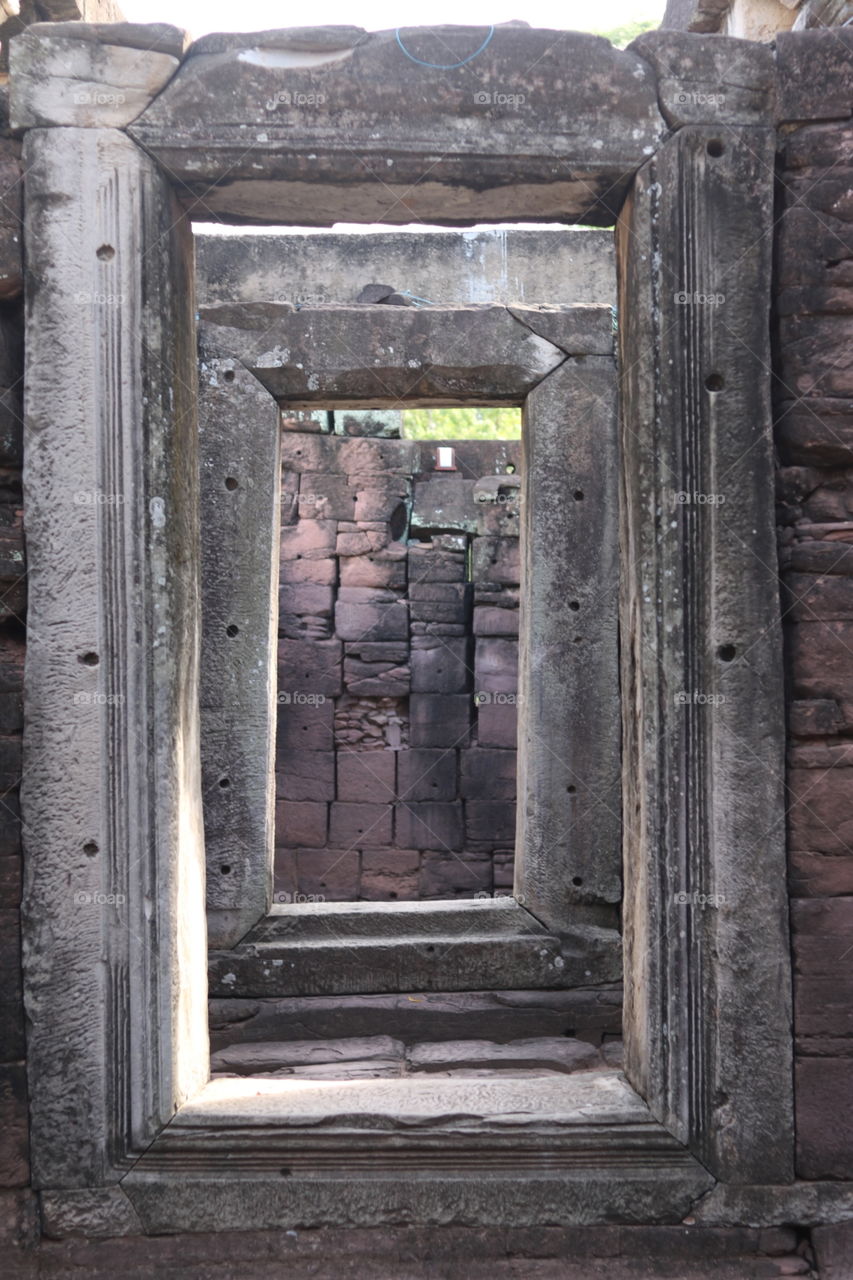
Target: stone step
[[372, 1057], [499, 1016]]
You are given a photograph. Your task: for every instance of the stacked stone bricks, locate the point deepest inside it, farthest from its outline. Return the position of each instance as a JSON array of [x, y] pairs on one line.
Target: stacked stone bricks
[[397, 679], [814, 431]]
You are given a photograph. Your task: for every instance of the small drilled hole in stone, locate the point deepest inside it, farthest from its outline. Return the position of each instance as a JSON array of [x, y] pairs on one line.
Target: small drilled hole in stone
[[571, 790], [727, 652], [716, 147], [90, 848], [578, 495], [232, 630], [229, 375], [578, 639], [106, 253], [286, 1173], [225, 782], [231, 482], [574, 605], [225, 869], [715, 382], [89, 659], [577, 880]]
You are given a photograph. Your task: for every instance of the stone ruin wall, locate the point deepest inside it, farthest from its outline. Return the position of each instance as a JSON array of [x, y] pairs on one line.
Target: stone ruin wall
[[814, 430], [398, 604], [397, 673]]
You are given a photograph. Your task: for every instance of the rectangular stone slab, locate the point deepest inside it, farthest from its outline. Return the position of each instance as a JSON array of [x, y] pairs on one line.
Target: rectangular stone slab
[[555, 121], [340, 356], [113, 839], [707, 1010], [556, 1149], [240, 492]]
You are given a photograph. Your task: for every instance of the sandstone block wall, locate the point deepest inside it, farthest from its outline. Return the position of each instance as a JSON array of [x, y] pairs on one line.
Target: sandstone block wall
[[398, 667], [814, 432]]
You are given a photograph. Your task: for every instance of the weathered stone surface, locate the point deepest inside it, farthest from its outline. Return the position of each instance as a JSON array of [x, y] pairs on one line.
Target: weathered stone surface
[[494, 621], [149, 37], [488, 773], [445, 875], [308, 667], [824, 1130], [541, 1053], [301, 822], [496, 1016], [102, 1213], [496, 560], [822, 931], [429, 824], [491, 820], [819, 653], [712, 80], [11, 245], [381, 355], [703, 782], [497, 723], [817, 875], [443, 667], [309, 540], [57, 80], [112, 798], [352, 825], [425, 773], [308, 726], [816, 431], [815, 70], [833, 1246], [14, 1155], [494, 265], [305, 775], [389, 874], [328, 875], [299, 39], [239, 550], [268, 94], [372, 571], [439, 720], [365, 613], [367, 777], [257, 1057]]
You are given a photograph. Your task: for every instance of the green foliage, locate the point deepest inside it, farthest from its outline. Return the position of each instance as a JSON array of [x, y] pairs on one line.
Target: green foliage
[[622, 36], [462, 424]]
